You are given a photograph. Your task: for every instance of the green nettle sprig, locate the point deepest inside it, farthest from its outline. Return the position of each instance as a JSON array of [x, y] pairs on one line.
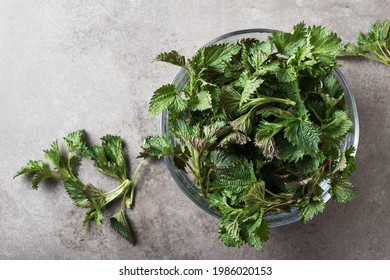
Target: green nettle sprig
[[373, 45], [259, 125], [108, 159]]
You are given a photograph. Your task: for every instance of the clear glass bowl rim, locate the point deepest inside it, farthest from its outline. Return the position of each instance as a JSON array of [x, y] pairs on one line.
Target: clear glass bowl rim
[[186, 184]]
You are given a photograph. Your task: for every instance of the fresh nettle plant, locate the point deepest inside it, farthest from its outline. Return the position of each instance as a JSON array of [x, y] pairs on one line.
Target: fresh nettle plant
[[373, 45], [259, 125], [108, 159]]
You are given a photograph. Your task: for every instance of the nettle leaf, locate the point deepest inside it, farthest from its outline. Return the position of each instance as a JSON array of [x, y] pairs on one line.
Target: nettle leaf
[[93, 214], [216, 129], [342, 190], [310, 208], [41, 175], [350, 160], [201, 101], [332, 87], [304, 135], [172, 57], [230, 100], [156, 146], [75, 141], [215, 56], [302, 58], [264, 137], [237, 177], [242, 123], [249, 85], [230, 234], [95, 196], [255, 197], [259, 53], [271, 67], [109, 157], [184, 131], [76, 193], [54, 155], [288, 151], [337, 126], [234, 137], [309, 165], [326, 45], [255, 230], [35, 166], [288, 43], [164, 98], [221, 159], [287, 74], [119, 223]]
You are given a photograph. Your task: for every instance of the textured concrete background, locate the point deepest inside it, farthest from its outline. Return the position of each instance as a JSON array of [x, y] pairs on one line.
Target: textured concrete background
[[66, 65]]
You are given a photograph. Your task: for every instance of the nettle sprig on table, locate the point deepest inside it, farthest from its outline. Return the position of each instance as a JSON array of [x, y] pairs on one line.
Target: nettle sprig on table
[[108, 158], [259, 126], [374, 45]]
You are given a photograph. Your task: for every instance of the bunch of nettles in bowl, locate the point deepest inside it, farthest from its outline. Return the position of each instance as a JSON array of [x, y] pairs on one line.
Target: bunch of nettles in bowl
[[259, 126]]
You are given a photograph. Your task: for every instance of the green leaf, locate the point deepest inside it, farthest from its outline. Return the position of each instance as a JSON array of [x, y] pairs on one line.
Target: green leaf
[[39, 176], [109, 157], [337, 126], [264, 137], [229, 235], [216, 56], [76, 193], [237, 177], [96, 197], [230, 100], [286, 75], [255, 197], [93, 214], [54, 155], [249, 85], [288, 151], [221, 159], [184, 131], [172, 57], [119, 223], [288, 43], [34, 166], [304, 135], [326, 45], [164, 98], [342, 190], [310, 208], [234, 137], [259, 53], [309, 165], [75, 141], [75, 163], [332, 87], [350, 160], [200, 102], [156, 146]]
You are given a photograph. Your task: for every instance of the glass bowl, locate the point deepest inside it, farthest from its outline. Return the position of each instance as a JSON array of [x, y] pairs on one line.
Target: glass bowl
[[186, 184]]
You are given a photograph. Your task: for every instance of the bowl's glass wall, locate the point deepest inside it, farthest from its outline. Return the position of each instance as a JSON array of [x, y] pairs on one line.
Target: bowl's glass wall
[[186, 184]]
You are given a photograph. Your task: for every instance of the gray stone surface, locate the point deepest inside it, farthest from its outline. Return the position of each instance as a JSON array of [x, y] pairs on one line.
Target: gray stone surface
[[66, 65]]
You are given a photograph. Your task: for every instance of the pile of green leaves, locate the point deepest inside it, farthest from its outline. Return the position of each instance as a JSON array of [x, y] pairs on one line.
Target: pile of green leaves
[[259, 125], [108, 159], [373, 45]]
